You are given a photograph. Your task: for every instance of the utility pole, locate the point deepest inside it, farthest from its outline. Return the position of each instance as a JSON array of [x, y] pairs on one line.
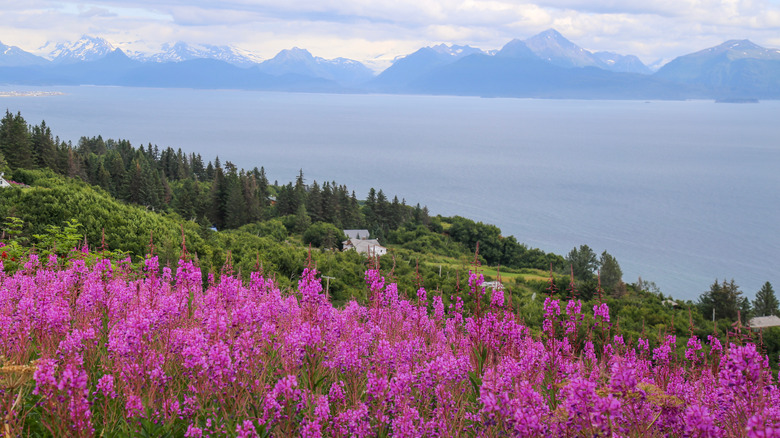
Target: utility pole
[[327, 285]]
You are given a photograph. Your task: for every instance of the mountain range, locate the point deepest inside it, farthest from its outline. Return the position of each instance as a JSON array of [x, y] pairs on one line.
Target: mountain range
[[546, 65]]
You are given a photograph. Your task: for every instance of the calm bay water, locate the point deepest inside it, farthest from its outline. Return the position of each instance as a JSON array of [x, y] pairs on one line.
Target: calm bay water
[[680, 193]]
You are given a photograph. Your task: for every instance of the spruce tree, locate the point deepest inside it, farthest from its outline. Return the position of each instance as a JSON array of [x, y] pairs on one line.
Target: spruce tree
[[725, 299], [44, 147], [15, 141], [766, 303], [611, 274]]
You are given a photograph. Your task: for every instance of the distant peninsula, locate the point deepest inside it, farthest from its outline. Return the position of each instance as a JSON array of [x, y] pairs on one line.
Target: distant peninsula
[[30, 93]]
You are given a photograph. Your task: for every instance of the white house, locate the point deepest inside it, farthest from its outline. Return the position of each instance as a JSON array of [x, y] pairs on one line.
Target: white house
[[764, 322], [3, 182], [369, 247], [493, 285]]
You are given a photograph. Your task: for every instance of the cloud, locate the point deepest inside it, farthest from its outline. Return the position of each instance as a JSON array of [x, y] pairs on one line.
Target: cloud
[[94, 12]]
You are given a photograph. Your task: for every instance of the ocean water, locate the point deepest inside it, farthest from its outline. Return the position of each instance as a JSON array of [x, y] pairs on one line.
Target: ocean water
[[681, 193]]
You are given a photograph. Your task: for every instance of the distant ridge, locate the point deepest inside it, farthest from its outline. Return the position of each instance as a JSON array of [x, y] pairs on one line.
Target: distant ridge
[[732, 70], [298, 61], [12, 56], [546, 65]]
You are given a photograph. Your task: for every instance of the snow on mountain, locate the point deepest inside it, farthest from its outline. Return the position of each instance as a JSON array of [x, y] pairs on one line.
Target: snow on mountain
[[556, 49], [456, 51], [623, 63], [87, 48], [181, 51], [740, 49]]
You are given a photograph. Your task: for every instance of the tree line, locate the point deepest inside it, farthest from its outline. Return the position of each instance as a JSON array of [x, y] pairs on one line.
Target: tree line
[[221, 195]]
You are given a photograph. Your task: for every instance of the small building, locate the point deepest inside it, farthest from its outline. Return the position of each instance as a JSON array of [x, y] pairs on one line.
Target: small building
[[3, 182], [493, 285], [370, 247], [760, 322], [357, 234]]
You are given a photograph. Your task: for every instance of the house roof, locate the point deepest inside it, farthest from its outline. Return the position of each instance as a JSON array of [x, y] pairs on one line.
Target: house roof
[[764, 321], [364, 246], [357, 234]]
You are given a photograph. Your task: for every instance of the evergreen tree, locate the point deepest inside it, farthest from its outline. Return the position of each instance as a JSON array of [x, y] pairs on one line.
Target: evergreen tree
[[611, 274], [44, 147], [186, 199], [329, 205], [15, 141], [263, 191], [766, 303], [285, 200], [235, 209], [196, 166], [218, 199], [583, 262], [299, 193], [302, 219], [725, 299], [133, 191], [210, 172], [254, 209], [102, 177], [116, 170], [75, 167], [314, 203]]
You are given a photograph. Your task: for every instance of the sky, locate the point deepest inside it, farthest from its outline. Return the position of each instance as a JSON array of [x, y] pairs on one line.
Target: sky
[[377, 31]]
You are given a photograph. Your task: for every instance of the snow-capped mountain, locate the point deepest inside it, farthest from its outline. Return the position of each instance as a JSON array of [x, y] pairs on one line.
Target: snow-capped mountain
[[181, 51], [12, 56], [87, 48], [556, 49], [298, 61], [456, 52]]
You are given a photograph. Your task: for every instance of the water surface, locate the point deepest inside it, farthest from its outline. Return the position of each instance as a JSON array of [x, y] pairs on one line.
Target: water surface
[[680, 193]]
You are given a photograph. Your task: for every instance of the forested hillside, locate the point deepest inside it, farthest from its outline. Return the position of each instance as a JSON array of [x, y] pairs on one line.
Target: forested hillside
[[109, 195]]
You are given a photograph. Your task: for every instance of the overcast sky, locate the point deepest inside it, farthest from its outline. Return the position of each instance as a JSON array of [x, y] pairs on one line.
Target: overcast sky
[[379, 30]]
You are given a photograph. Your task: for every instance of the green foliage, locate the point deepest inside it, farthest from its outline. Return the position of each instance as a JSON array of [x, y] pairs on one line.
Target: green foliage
[[583, 262], [15, 141], [53, 201], [610, 273], [59, 240], [766, 302], [324, 235], [725, 299], [273, 229]]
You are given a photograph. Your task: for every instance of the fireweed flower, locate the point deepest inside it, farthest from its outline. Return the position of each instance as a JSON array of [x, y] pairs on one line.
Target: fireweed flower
[[178, 350], [699, 422], [497, 298], [715, 345], [601, 310], [693, 348], [552, 310], [106, 386]]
